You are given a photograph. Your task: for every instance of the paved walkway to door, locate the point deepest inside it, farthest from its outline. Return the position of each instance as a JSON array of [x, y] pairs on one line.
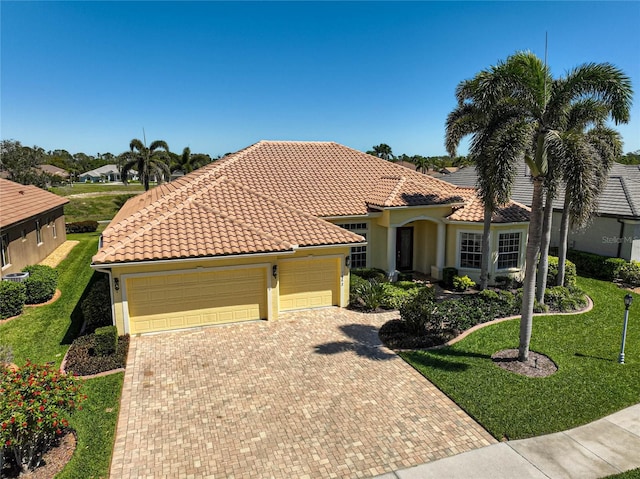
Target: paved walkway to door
[[311, 395]]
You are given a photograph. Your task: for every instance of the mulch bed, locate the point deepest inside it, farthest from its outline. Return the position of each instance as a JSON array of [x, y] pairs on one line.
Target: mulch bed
[[394, 335], [81, 360], [52, 463], [537, 366]]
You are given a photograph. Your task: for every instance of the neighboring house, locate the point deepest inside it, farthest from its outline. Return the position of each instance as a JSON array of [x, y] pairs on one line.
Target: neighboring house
[[104, 174], [615, 228], [276, 227], [31, 225], [52, 170]]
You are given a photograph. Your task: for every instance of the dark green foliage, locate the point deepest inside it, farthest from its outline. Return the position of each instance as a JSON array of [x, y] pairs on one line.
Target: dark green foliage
[[80, 359], [370, 273], [418, 314], [96, 307], [369, 295], [508, 282], [570, 275], [41, 283], [563, 299], [447, 276], [105, 340], [13, 295], [396, 295], [405, 276], [88, 226], [408, 285], [596, 266], [630, 273]]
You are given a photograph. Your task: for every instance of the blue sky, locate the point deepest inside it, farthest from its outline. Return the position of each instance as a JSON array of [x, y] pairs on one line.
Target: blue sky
[[216, 76]]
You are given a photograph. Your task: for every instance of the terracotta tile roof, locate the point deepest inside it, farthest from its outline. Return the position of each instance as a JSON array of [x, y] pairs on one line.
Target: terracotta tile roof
[[21, 202], [53, 170], [211, 216], [473, 211], [266, 198]]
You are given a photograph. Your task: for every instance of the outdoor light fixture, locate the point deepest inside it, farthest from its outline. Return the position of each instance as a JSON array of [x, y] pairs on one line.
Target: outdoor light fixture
[[274, 270], [116, 284], [628, 299], [347, 261]]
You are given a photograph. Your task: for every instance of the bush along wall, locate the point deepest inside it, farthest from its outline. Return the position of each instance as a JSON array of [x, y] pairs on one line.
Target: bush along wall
[[13, 295], [96, 307], [82, 227], [41, 283]]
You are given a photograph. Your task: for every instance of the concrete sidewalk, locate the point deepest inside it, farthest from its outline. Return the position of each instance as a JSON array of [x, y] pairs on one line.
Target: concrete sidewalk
[[608, 446]]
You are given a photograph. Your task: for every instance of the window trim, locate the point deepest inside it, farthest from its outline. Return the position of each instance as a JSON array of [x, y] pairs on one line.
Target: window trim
[[459, 249], [357, 228], [5, 257], [519, 259]]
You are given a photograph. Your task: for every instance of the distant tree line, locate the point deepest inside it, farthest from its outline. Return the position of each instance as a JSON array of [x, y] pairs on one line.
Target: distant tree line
[[422, 163], [20, 163]]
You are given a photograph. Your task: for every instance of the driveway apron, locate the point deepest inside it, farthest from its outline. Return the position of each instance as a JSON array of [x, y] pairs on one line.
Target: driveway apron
[[313, 394]]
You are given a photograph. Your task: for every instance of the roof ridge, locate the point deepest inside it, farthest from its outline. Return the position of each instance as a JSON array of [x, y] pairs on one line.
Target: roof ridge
[[394, 192], [628, 195]]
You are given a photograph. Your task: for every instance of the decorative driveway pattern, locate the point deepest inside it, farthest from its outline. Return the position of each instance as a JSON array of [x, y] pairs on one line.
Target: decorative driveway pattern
[[313, 394]]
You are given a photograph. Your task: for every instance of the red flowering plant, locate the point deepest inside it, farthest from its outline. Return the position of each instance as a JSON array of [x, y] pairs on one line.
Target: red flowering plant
[[35, 402]]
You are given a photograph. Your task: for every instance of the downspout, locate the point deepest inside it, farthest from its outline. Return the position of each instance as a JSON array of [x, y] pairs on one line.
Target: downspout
[[620, 237]]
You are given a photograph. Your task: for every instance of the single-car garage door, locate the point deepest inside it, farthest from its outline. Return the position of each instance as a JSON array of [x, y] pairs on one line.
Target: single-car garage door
[[309, 283], [184, 300]]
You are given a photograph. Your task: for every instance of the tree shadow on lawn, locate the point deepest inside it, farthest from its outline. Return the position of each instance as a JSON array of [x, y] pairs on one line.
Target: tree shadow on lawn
[[364, 342], [438, 359], [77, 318]]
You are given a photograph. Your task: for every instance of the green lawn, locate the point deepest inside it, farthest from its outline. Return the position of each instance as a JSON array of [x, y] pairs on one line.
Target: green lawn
[[632, 474], [43, 334], [588, 385], [79, 188], [96, 208]]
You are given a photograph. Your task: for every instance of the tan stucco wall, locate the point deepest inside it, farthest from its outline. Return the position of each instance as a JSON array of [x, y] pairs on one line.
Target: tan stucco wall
[[27, 252], [121, 272]]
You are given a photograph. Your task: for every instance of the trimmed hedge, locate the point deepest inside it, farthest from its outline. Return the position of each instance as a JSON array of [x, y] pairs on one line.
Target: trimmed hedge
[[13, 295], [88, 226], [419, 313], [105, 340], [96, 307], [596, 266], [41, 283], [370, 273], [570, 275], [630, 273], [80, 359]]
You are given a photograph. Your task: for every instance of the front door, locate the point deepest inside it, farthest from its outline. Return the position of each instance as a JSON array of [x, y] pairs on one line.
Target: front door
[[404, 249]]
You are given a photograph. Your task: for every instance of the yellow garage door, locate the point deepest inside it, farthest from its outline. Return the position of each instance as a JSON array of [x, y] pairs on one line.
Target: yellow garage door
[[309, 283], [174, 301]]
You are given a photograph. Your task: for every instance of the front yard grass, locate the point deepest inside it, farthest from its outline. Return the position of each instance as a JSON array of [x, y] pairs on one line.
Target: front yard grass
[[80, 188], [589, 384], [43, 334]]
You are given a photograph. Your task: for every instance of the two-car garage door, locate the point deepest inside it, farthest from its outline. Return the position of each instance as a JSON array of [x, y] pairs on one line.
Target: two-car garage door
[[177, 300]]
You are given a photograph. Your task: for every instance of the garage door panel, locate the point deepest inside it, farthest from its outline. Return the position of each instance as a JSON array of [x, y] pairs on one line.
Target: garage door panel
[[177, 301], [309, 283]]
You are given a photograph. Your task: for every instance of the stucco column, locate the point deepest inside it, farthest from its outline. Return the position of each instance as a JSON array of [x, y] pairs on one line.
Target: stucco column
[[391, 250], [440, 248]]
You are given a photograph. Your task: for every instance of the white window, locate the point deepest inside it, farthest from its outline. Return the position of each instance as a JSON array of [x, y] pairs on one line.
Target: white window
[[4, 239], [38, 232], [508, 250], [470, 250], [358, 253]]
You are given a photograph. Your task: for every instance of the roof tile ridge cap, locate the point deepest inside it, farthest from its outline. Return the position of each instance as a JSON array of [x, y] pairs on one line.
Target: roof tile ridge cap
[[629, 196], [273, 200], [176, 191], [141, 229], [242, 224], [396, 190]]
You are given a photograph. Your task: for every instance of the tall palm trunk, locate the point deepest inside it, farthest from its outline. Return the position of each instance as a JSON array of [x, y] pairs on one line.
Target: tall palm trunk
[[486, 251], [564, 240], [545, 241], [533, 247]]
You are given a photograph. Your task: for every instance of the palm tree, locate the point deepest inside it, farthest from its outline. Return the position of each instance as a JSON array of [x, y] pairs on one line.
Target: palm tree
[[525, 83], [421, 162], [151, 161], [590, 156], [495, 148], [382, 151], [188, 162]]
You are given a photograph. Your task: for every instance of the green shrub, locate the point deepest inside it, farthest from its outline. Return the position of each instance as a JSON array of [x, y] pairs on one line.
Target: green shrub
[[88, 226], [370, 295], [447, 276], [418, 314], [508, 282], [13, 295], [405, 276], [41, 283], [105, 340], [570, 275], [630, 273], [408, 285], [489, 295], [370, 273], [560, 298], [463, 283], [96, 307], [596, 266]]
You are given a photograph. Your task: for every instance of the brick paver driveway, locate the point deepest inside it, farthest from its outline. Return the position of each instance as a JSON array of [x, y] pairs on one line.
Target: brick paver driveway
[[311, 395]]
